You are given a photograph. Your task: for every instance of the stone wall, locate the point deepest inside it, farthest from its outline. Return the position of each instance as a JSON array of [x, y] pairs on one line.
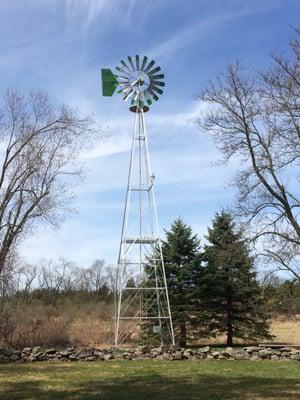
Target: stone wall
[[143, 353]]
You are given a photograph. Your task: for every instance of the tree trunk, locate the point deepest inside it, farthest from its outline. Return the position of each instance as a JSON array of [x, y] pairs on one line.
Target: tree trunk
[[229, 323], [182, 339]]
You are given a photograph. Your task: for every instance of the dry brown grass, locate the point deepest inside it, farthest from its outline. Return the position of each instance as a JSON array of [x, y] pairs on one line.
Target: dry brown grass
[[90, 332], [286, 331]]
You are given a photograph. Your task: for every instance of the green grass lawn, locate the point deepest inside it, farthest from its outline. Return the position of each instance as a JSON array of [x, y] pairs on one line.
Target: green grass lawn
[[132, 380]]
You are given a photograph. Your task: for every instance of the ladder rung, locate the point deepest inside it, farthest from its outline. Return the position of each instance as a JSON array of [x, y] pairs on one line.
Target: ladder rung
[[140, 240], [143, 262], [140, 190], [138, 318], [144, 288]]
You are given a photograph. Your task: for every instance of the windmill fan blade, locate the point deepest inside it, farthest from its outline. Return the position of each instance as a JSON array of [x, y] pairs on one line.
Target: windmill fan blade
[[124, 83], [150, 65], [154, 96], [122, 70], [161, 76], [124, 87], [154, 71], [148, 98], [137, 61], [131, 63], [121, 90], [156, 89], [145, 59], [126, 66], [157, 83], [123, 77]]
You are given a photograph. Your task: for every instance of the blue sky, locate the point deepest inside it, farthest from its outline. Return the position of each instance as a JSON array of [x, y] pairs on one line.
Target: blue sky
[[60, 45]]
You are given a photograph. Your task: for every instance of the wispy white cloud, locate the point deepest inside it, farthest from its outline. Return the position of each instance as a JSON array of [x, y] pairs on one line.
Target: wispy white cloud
[[119, 129], [89, 12], [205, 26]]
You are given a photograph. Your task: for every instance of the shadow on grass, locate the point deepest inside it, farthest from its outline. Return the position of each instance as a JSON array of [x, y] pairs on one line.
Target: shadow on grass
[[156, 386]]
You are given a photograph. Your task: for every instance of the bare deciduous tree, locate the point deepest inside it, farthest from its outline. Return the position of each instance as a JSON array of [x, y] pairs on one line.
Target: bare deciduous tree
[[255, 116], [40, 146]]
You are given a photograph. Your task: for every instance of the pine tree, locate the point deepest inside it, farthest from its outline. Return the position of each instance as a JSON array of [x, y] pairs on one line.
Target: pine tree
[[232, 299], [182, 264]]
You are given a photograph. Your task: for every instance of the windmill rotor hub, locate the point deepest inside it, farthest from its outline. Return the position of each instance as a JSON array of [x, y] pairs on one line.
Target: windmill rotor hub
[[140, 80]]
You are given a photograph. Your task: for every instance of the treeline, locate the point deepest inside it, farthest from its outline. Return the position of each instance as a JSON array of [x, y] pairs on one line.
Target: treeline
[[56, 304], [214, 291]]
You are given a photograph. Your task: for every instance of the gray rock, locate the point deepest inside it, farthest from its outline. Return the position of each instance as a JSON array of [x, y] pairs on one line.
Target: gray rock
[[73, 357], [90, 358], [50, 351], [227, 352], [156, 350], [108, 357], [284, 358], [14, 357], [6, 352], [178, 355], [186, 354], [31, 358], [295, 357], [41, 356], [144, 349], [17, 352], [64, 353], [274, 357], [70, 349], [215, 354], [252, 349], [265, 353], [205, 349], [119, 356], [98, 354], [286, 349], [191, 357], [3, 358], [36, 349], [85, 353], [239, 355], [295, 351], [167, 356], [50, 356], [26, 351]]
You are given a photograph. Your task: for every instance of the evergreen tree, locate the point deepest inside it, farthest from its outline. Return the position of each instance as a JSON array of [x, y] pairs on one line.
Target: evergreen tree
[[232, 299], [182, 265]]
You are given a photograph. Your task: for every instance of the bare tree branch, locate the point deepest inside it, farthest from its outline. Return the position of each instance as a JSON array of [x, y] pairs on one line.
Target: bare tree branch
[[256, 117], [40, 143]]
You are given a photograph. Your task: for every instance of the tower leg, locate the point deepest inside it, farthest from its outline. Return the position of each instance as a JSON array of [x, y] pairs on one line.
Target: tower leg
[[141, 303]]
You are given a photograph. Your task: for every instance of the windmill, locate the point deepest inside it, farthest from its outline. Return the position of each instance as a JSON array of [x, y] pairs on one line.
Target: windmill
[[142, 307]]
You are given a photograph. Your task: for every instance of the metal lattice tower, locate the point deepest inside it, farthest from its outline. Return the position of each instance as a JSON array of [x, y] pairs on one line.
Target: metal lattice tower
[[142, 302]]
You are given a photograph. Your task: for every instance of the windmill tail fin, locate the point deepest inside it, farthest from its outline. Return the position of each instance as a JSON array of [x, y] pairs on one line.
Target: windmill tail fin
[[109, 82]]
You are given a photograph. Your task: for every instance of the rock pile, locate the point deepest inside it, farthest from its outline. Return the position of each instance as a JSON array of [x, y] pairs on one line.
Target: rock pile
[[36, 353]]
